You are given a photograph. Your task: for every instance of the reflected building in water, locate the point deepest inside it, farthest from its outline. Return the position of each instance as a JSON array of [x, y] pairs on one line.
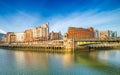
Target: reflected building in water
[[67, 59], [32, 59]]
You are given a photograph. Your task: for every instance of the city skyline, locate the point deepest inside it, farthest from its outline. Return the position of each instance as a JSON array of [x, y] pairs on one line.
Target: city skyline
[[19, 15]]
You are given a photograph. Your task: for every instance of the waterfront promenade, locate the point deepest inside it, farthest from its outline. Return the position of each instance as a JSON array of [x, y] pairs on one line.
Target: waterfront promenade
[[36, 47], [80, 45]]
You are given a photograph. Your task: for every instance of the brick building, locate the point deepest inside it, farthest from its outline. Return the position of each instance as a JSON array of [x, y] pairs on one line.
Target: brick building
[[80, 33], [55, 35], [10, 37], [28, 35]]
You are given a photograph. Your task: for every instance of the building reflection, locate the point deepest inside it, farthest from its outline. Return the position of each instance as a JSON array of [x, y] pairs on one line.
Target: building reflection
[[31, 60], [49, 61], [34, 59], [67, 59], [109, 56], [103, 55]]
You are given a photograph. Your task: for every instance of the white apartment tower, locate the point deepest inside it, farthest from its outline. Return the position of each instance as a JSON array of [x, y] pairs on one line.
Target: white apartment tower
[[19, 37], [41, 33]]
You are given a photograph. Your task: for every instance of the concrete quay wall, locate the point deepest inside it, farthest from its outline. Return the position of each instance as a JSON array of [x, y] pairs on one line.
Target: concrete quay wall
[[37, 48]]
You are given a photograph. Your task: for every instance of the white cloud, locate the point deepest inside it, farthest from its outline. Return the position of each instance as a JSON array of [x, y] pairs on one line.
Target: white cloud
[[1, 31], [103, 20], [87, 19], [18, 22]]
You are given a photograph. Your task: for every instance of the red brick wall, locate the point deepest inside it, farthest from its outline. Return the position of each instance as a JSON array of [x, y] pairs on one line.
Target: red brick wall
[[80, 33]]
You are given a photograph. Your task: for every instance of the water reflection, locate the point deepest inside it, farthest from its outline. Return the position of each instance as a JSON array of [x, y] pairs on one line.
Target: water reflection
[[31, 60], [43, 61], [67, 59], [105, 62], [111, 56]]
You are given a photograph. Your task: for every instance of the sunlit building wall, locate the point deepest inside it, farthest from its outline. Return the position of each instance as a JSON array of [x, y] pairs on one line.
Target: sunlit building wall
[[28, 35], [80, 33], [10, 37], [107, 34], [41, 33], [104, 34], [65, 36], [20, 37], [55, 36]]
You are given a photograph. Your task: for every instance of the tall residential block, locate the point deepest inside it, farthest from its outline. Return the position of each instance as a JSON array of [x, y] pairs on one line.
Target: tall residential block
[[41, 33]]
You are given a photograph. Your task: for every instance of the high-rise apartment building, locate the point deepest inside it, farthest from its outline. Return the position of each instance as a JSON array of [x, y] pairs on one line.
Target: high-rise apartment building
[[41, 33]]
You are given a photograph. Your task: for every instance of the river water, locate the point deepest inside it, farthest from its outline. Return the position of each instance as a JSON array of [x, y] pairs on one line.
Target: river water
[[100, 62]]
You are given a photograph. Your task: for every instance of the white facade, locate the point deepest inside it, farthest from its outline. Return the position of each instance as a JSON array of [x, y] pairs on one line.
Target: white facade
[[41, 32], [20, 37]]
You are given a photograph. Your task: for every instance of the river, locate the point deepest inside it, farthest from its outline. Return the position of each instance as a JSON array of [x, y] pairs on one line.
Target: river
[[100, 62]]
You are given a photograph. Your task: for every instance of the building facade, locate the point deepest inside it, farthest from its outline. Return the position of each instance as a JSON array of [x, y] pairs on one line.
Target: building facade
[[10, 37], [113, 34], [2, 38], [104, 34], [41, 33], [20, 37], [107, 34], [28, 35], [55, 36], [65, 36], [80, 33], [96, 34]]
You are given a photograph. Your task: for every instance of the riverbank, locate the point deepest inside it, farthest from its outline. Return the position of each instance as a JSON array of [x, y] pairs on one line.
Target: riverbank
[[57, 48], [37, 48]]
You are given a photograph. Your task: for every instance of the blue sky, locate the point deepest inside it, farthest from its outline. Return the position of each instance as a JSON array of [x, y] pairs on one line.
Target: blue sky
[[18, 15]]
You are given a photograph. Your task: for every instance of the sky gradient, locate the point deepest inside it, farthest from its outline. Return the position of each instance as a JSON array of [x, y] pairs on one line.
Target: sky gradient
[[18, 15]]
